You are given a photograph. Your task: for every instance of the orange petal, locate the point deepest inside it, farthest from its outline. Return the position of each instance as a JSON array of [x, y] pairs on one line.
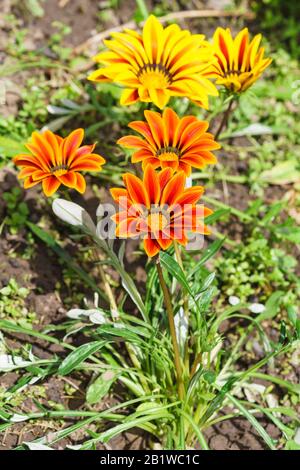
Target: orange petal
[[190, 195], [42, 149], [136, 189], [141, 155], [87, 165], [153, 161], [25, 172], [118, 193], [151, 183], [50, 185], [28, 160], [53, 142], [28, 183], [183, 124], [71, 144], [131, 141], [85, 150], [192, 134], [127, 228], [69, 179], [151, 246], [164, 243], [155, 122], [80, 184], [170, 123], [195, 160], [173, 189], [144, 129], [129, 96], [185, 167], [39, 175], [164, 176]]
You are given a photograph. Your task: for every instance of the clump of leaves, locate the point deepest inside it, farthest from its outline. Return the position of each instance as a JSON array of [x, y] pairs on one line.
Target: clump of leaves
[[13, 305], [17, 210], [259, 265]]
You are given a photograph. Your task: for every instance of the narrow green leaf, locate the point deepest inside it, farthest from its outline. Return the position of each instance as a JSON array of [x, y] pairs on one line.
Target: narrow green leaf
[[272, 306], [207, 254], [173, 267], [100, 387], [257, 426], [79, 355], [216, 215]]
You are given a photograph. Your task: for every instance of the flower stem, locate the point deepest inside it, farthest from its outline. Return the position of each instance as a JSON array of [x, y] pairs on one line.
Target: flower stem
[[170, 313], [108, 290], [179, 261], [185, 305], [224, 119]]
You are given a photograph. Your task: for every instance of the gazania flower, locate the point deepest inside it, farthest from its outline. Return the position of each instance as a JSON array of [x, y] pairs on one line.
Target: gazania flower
[[157, 64], [159, 209], [53, 161], [239, 61], [169, 141]]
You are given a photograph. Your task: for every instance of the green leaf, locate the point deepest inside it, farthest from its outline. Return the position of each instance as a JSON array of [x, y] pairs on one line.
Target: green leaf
[[210, 219], [257, 426], [253, 129], [291, 234], [10, 147], [79, 355], [273, 211], [207, 282], [272, 306], [173, 268], [283, 173], [292, 445], [207, 254], [100, 387]]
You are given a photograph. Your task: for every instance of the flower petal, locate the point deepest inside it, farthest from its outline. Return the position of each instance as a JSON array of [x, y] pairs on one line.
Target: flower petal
[[151, 246], [136, 189], [151, 183], [50, 185]]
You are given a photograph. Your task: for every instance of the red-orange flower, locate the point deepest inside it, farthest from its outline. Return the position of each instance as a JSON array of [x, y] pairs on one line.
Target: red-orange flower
[[159, 209], [169, 141], [54, 161]]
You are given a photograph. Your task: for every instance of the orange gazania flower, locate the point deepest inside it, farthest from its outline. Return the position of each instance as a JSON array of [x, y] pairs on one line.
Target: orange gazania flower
[[157, 64], [159, 209], [171, 142], [239, 61], [53, 161]]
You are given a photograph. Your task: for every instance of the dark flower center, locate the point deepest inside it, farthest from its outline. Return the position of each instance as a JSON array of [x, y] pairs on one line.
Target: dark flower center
[[168, 149], [158, 68], [59, 168], [232, 72]]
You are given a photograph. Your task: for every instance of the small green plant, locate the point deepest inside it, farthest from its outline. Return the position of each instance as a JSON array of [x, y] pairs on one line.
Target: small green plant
[[13, 303], [16, 209], [258, 265]]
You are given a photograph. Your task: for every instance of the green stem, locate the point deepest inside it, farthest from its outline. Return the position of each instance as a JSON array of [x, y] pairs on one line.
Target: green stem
[[239, 214], [230, 178], [170, 313], [143, 9], [224, 119]]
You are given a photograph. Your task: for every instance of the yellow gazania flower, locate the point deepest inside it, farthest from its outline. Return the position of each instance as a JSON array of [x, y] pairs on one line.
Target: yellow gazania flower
[[157, 64], [240, 62]]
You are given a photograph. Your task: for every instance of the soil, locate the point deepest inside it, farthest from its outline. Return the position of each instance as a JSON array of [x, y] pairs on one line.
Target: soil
[[42, 272]]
